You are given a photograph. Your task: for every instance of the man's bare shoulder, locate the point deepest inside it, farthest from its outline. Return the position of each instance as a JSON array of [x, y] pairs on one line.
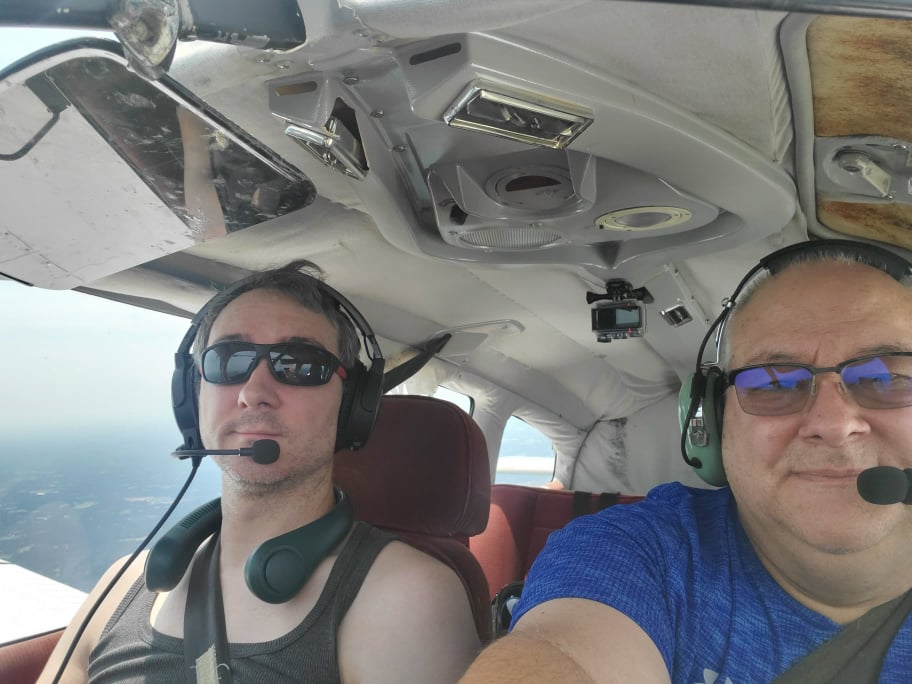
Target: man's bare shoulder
[[411, 621], [402, 575], [398, 555]]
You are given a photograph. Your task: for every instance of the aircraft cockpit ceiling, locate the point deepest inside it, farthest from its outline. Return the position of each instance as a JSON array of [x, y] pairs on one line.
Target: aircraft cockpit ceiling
[[473, 167]]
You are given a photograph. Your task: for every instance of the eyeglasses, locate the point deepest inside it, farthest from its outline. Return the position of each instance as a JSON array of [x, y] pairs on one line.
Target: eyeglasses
[[291, 363], [882, 381]]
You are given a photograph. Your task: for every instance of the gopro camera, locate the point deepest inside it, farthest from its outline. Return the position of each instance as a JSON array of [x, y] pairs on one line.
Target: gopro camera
[[617, 314]]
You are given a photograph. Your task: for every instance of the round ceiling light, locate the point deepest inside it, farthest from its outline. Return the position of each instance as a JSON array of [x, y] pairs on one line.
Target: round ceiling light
[[643, 218]]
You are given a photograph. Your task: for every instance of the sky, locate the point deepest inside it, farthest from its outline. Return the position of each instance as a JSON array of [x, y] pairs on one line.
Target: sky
[[75, 361]]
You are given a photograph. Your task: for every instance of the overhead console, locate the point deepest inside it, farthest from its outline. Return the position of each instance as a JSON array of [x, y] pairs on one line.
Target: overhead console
[[547, 198], [509, 155]]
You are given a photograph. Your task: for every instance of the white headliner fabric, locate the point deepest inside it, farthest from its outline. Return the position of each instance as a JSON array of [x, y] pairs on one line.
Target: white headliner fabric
[[721, 64], [632, 455]]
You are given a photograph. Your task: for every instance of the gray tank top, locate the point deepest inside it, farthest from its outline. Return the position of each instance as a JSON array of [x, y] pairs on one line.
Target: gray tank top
[[130, 651]]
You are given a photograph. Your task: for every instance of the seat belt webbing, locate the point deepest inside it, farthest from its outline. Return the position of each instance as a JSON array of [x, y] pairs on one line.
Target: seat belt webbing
[[855, 655], [206, 653], [607, 499]]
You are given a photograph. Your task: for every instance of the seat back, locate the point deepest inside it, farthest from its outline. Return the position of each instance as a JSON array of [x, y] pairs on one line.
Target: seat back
[[424, 476], [22, 661], [519, 523]]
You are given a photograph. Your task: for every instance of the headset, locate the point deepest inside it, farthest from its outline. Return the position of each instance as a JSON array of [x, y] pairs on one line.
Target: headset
[[279, 567], [361, 393], [701, 400], [275, 572]]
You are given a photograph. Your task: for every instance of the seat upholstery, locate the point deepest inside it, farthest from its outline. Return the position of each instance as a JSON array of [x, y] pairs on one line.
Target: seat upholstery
[[22, 661], [520, 521], [424, 476]]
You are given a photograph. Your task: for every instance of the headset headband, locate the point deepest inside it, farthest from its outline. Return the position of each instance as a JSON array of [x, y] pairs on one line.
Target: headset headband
[[372, 349], [362, 391]]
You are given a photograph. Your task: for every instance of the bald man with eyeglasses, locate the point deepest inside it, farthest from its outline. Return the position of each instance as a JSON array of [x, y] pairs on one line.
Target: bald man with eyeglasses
[[785, 573]]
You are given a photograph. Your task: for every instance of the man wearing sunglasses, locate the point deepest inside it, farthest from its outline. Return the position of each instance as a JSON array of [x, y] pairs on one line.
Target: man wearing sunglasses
[[272, 360], [753, 582]]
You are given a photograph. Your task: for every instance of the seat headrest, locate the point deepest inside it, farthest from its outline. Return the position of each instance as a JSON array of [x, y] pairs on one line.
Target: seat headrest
[[423, 470]]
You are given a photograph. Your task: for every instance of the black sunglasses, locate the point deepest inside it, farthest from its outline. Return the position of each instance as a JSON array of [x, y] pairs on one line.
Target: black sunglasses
[[291, 363], [877, 381]]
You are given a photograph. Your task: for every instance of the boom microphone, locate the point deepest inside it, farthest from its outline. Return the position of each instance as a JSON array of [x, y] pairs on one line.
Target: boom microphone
[[262, 451], [885, 485]]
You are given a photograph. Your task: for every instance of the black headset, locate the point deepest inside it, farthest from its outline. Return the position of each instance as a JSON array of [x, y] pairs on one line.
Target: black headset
[[279, 567], [275, 572], [361, 393], [702, 397]]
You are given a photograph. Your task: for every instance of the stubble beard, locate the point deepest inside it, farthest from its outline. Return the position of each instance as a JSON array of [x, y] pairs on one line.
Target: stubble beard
[[311, 469]]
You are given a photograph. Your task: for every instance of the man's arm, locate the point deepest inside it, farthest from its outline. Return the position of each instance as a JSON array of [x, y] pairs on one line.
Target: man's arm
[[571, 640], [411, 622], [77, 668]]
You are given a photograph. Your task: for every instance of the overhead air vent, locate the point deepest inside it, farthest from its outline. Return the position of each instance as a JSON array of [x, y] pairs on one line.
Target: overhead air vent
[[538, 189], [482, 109], [435, 54]]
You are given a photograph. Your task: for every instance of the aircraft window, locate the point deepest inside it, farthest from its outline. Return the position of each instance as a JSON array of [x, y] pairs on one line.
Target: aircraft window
[[86, 432], [526, 455], [463, 401], [160, 140]]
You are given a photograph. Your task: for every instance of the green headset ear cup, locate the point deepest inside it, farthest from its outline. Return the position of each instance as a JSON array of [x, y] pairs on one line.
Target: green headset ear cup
[[711, 469]]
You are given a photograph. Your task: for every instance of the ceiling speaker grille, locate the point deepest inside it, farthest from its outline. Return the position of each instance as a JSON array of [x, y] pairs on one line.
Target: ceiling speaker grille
[[510, 238]]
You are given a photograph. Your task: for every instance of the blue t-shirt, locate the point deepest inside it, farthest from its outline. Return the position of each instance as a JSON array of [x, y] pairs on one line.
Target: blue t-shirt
[[680, 565]]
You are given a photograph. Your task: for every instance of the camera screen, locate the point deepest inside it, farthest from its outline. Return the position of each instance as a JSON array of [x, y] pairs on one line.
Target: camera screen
[[608, 318], [627, 317]]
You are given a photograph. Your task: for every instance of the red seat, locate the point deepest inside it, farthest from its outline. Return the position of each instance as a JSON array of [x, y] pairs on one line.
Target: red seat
[[424, 475], [520, 521], [22, 661]]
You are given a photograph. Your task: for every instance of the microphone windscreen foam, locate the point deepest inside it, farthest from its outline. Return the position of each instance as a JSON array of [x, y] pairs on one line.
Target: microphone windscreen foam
[[265, 451], [883, 485]]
